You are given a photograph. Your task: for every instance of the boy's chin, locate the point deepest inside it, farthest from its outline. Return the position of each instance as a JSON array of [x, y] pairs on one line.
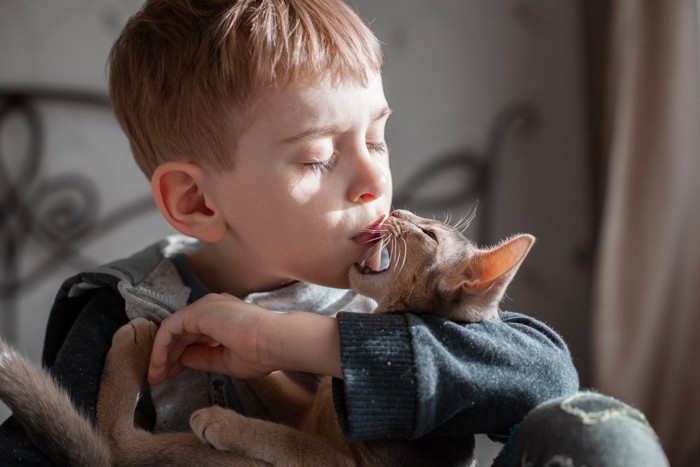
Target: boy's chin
[[336, 280], [340, 283]]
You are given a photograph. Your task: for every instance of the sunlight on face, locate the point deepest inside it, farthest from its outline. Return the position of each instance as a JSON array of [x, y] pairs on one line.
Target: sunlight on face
[[311, 172]]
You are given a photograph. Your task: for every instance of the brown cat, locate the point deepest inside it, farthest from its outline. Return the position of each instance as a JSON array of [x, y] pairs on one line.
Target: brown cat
[[56, 427], [433, 269]]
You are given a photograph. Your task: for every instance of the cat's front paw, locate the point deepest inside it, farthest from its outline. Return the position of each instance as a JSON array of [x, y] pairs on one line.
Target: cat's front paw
[[217, 426], [123, 375], [137, 335], [132, 343]]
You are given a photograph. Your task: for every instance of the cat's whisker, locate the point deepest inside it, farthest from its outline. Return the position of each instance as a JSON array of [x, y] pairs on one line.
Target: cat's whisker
[[395, 252], [383, 241], [405, 254], [463, 223], [386, 240], [402, 253], [467, 218], [459, 225], [448, 217], [374, 239]]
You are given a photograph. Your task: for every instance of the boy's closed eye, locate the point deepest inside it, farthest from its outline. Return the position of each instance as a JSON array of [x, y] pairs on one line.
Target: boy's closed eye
[[326, 165], [322, 166], [380, 148]]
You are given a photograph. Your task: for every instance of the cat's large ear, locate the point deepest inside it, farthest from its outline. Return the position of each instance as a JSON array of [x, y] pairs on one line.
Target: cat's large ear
[[493, 264]]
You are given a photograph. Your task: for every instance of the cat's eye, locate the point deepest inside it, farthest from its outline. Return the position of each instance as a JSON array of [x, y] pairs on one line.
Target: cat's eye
[[430, 234]]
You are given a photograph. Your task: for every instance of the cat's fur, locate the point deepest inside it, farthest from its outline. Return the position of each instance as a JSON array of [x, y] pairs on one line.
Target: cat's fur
[[433, 270]]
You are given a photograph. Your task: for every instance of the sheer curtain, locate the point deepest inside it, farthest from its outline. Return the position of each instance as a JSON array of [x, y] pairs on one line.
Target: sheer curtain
[[647, 302]]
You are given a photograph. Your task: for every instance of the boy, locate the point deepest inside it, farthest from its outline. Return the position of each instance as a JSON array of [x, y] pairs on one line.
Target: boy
[[261, 127]]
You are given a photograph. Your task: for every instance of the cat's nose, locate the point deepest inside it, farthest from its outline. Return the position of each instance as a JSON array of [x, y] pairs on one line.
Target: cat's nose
[[400, 213]]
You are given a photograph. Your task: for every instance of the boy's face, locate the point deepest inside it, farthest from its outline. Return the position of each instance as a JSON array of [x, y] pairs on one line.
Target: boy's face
[[311, 173]]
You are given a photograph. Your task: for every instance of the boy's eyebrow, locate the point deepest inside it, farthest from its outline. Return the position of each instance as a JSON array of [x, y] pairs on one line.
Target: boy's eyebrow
[[383, 113], [325, 130]]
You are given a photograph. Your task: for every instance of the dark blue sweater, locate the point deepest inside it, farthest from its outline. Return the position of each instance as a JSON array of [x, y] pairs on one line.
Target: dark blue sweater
[[405, 376], [409, 375]]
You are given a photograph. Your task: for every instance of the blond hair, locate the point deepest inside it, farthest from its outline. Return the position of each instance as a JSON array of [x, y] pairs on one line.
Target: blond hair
[[183, 71]]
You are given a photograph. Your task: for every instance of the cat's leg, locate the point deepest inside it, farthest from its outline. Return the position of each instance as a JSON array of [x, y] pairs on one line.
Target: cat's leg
[[291, 404], [123, 376], [124, 372], [285, 400], [277, 444]]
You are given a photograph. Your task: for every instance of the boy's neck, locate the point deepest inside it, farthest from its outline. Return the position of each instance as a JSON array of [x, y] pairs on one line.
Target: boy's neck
[[232, 274]]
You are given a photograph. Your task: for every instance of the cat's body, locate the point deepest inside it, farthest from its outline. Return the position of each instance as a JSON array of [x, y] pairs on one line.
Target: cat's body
[[433, 270]]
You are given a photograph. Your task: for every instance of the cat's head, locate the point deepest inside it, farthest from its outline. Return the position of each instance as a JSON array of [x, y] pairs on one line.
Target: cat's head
[[435, 270]]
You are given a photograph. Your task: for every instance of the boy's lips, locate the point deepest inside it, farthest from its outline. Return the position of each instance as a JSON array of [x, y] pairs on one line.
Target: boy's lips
[[370, 234]]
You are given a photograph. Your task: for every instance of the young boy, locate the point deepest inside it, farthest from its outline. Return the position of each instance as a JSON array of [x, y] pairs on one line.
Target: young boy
[[261, 127]]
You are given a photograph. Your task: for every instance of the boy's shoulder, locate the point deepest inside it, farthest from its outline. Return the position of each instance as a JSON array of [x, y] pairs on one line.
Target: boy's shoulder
[[137, 269], [147, 280], [143, 284]]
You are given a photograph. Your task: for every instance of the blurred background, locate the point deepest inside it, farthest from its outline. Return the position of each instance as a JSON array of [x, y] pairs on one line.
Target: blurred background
[[576, 121]]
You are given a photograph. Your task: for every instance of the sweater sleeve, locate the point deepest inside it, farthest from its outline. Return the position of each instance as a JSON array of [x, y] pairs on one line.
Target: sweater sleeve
[[407, 375], [76, 363]]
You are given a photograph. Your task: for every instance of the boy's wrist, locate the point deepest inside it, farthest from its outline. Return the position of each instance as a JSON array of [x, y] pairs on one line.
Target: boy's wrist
[[302, 341]]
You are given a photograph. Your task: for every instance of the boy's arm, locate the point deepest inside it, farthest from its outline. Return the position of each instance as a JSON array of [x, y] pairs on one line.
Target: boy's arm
[[77, 364], [406, 375], [222, 334]]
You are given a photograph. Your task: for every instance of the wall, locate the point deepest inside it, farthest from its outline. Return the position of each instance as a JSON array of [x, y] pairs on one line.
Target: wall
[[497, 84]]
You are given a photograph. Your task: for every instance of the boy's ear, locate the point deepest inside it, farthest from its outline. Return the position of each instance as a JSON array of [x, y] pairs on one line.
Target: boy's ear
[[178, 190]]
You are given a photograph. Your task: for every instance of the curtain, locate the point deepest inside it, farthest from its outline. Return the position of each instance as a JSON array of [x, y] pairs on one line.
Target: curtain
[[647, 285]]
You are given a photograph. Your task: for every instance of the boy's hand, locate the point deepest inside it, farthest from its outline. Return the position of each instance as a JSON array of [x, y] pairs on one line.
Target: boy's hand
[[222, 334], [218, 333]]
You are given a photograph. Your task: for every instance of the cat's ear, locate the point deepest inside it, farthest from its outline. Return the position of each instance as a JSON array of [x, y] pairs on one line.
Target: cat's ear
[[495, 263]]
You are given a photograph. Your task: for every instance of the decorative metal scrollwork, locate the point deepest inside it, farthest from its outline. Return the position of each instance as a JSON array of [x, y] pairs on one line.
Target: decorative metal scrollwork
[[56, 213]]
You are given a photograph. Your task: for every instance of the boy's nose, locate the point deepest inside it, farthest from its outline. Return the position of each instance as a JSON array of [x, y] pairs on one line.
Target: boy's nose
[[370, 179]]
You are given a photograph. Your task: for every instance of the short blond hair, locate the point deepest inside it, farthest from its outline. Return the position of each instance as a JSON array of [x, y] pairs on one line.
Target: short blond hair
[[182, 71]]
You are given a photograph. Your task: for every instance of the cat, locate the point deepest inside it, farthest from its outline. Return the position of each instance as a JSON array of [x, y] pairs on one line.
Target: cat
[[66, 437], [433, 269]]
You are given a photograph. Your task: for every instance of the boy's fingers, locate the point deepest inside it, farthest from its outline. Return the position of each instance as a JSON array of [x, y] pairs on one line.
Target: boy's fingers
[[185, 339], [167, 348], [205, 358], [167, 368], [171, 340], [166, 359], [174, 370]]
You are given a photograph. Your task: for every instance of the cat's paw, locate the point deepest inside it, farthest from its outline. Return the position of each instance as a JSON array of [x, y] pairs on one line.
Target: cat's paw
[[217, 426], [134, 339]]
